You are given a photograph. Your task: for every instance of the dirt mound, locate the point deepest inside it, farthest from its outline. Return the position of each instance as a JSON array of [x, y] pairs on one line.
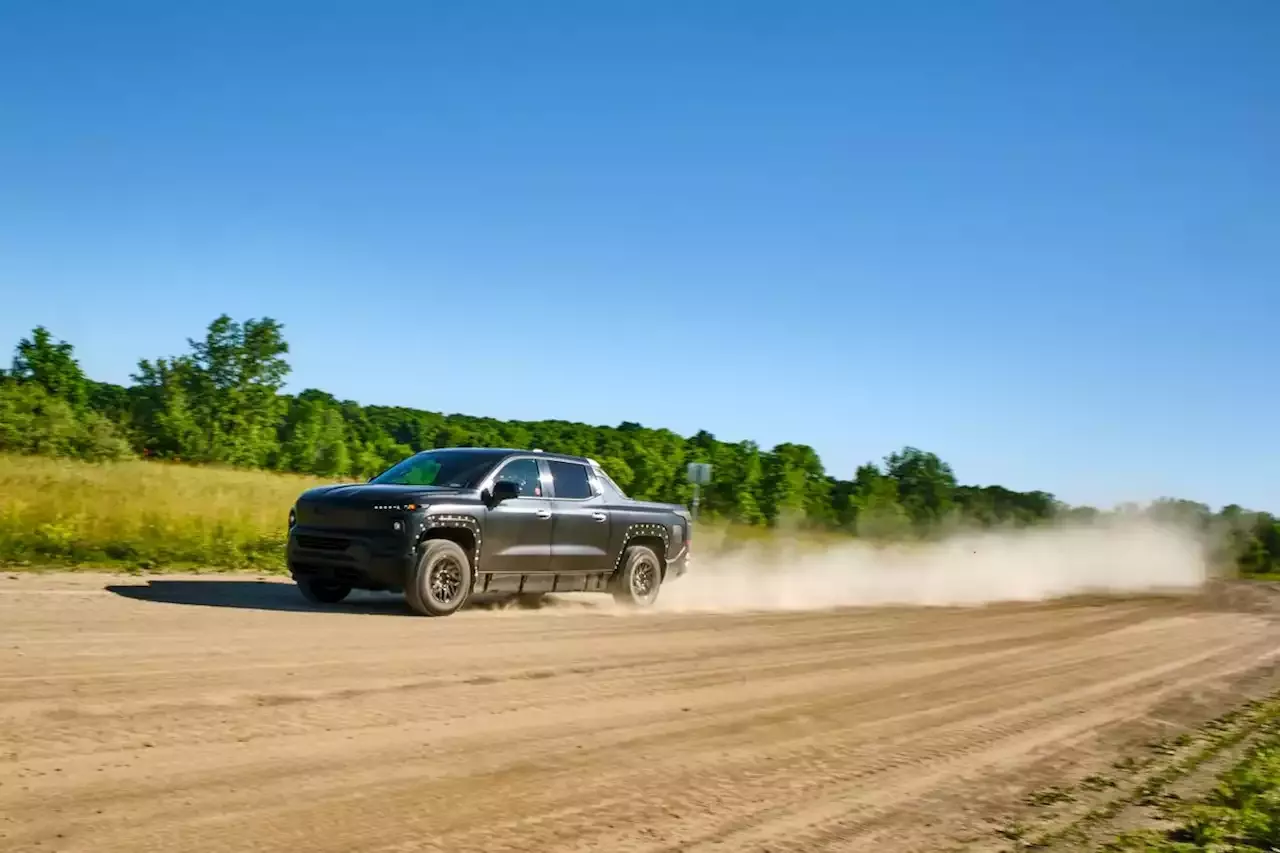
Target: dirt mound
[[1242, 596]]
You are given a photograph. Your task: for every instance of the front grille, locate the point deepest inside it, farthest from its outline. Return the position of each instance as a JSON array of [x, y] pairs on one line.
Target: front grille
[[322, 543], [334, 516]]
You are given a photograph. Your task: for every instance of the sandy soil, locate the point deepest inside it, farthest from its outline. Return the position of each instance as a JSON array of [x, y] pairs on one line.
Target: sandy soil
[[216, 714]]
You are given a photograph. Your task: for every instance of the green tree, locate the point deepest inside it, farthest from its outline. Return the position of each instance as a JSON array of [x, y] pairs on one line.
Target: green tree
[[619, 471], [989, 506], [314, 438], [34, 421], [1190, 514], [878, 512], [221, 402], [51, 365], [795, 485], [238, 371], [163, 410], [926, 485], [743, 476]]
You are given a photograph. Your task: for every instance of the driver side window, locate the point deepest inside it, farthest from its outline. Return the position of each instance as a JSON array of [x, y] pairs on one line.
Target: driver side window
[[525, 474]]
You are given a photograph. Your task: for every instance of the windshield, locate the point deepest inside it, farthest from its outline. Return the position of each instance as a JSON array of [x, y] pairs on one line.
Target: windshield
[[449, 468]]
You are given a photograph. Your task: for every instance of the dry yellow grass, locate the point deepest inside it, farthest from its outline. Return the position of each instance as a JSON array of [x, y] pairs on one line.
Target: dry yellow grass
[[146, 514]]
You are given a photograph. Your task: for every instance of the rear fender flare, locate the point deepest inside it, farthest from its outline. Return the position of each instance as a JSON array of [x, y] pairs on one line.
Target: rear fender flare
[[636, 531]]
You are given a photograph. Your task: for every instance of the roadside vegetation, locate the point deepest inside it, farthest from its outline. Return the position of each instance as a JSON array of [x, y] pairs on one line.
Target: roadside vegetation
[[1241, 812], [143, 514], [1214, 786], [195, 463]]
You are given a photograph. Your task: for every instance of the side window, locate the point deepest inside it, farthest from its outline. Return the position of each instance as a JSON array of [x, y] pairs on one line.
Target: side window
[[603, 476], [570, 480], [525, 474]]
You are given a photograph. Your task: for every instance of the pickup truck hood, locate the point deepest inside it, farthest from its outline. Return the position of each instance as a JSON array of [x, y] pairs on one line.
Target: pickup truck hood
[[374, 494]]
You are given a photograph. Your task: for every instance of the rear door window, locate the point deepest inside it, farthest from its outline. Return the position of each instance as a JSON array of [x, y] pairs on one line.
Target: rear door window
[[570, 480]]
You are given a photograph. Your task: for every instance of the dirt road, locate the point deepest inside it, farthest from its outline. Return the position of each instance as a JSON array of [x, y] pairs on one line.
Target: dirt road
[[218, 715]]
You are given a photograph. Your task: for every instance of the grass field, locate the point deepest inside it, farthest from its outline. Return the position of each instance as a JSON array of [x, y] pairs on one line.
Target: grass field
[[142, 514], [156, 515]]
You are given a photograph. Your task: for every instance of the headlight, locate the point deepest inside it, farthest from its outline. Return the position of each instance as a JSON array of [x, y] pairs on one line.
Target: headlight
[[293, 517]]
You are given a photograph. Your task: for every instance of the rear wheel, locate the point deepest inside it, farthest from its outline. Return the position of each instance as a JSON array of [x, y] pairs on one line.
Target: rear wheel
[[638, 579], [319, 591], [441, 580]]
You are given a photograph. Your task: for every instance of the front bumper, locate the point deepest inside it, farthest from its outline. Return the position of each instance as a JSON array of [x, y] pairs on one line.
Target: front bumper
[[678, 566], [364, 562]]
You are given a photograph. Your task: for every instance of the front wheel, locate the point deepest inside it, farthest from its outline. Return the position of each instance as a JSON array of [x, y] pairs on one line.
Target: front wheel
[[638, 580], [440, 582], [323, 592]]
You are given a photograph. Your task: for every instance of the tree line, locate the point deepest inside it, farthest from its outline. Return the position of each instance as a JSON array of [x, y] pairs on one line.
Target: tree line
[[222, 402]]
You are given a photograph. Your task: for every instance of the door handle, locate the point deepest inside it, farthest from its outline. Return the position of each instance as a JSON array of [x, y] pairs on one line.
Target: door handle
[[598, 516], [543, 513]]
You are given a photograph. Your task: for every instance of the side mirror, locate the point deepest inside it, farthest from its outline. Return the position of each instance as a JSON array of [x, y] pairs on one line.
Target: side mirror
[[505, 490]]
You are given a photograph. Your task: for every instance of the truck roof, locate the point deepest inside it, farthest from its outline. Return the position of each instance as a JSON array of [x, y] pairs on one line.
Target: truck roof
[[512, 451]]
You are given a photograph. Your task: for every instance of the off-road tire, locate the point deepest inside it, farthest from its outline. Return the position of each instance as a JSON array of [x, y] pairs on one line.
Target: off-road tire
[[440, 582], [321, 591], [639, 578]]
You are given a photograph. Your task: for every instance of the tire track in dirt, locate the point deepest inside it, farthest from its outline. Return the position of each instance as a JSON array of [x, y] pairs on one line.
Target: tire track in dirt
[[523, 705], [272, 729], [456, 693], [689, 772], [832, 813]]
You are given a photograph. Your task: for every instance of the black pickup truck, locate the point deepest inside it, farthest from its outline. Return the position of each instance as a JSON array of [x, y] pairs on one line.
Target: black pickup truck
[[445, 524]]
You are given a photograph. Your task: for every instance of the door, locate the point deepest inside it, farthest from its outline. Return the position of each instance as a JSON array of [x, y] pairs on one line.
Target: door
[[517, 532], [580, 535]]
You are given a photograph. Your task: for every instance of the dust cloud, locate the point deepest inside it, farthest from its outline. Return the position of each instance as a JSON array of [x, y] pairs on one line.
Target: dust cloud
[[1117, 557]]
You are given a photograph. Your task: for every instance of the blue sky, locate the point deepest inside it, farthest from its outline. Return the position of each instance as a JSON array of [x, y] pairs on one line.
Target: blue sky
[[1039, 239]]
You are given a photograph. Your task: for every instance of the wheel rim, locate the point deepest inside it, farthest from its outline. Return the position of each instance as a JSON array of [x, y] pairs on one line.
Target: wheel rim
[[445, 581], [644, 577]]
